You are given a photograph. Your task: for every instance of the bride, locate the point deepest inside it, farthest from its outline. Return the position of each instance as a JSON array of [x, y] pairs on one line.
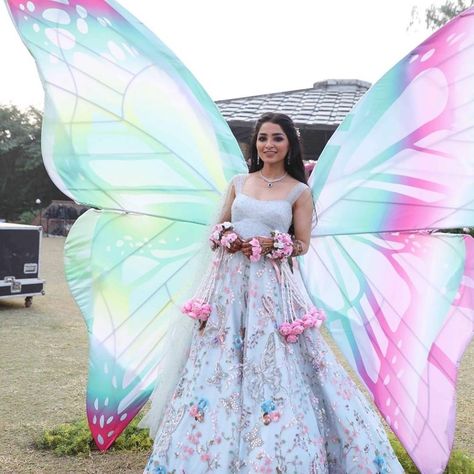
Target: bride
[[261, 391]]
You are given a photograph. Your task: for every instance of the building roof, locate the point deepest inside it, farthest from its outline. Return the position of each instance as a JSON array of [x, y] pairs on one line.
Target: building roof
[[322, 106]]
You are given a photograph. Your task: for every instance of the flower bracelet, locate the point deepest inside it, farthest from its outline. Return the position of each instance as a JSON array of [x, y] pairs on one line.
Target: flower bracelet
[[220, 237], [284, 246]]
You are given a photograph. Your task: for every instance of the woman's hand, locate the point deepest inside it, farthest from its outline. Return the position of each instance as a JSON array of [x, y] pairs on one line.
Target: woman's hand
[[236, 245], [265, 242]]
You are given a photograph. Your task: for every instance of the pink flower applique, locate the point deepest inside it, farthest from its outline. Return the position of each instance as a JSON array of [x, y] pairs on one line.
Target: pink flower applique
[[269, 412], [197, 410]]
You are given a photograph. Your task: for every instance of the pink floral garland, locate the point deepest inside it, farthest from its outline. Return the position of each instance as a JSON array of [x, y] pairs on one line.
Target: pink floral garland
[[217, 237], [197, 308], [256, 250], [282, 245], [314, 318]]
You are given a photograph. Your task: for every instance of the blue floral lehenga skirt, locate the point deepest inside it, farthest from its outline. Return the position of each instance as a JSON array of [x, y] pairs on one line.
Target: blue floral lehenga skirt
[[248, 401]]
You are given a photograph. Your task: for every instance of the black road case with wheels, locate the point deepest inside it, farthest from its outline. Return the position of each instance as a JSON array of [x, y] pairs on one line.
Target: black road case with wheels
[[20, 261]]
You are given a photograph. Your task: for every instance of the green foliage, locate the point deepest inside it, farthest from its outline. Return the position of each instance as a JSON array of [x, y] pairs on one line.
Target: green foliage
[[459, 463], [437, 16], [26, 217], [23, 177], [66, 439], [75, 439]]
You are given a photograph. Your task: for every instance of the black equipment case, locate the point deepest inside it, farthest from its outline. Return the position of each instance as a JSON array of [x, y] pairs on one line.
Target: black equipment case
[[20, 247]]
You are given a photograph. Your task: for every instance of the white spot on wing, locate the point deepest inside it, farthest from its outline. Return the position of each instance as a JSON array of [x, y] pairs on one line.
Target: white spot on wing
[[82, 26], [81, 11], [61, 38], [427, 55], [57, 15]]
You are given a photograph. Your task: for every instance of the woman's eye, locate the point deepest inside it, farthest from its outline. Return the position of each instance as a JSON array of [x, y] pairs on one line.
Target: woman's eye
[[261, 139]]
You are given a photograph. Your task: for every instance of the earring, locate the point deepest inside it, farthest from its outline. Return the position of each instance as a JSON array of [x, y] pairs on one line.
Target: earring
[[258, 159], [288, 157]]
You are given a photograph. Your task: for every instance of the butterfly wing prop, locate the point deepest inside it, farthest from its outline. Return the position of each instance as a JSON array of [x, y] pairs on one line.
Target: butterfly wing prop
[[400, 302], [129, 131]]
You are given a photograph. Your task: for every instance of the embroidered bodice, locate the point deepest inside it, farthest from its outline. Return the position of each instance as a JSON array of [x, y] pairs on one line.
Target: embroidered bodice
[[255, 217]]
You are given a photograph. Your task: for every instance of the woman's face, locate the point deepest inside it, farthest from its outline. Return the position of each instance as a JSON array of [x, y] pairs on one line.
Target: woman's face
[[272, 143]]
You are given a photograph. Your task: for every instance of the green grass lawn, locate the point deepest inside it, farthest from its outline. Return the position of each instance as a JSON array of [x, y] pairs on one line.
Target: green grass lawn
[[43, 371]]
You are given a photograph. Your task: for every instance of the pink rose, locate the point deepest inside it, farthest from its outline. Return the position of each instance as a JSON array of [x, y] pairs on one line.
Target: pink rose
[[228, 239], [292, 338], [256, 250], [196, 308], [308, 323], [205, 457], [297, 329], [285, 329]]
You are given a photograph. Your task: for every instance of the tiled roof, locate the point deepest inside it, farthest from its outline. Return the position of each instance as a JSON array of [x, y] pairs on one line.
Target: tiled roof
[[321, 106]]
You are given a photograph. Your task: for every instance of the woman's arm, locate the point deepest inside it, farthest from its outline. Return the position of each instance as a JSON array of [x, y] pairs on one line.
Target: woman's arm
[[302, 221], [226, 216]]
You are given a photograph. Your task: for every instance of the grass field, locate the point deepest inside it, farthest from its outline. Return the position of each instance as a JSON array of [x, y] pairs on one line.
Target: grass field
[[43, 371]]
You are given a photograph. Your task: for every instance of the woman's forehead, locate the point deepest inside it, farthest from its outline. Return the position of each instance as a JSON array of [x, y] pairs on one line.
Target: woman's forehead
[[270, 128]]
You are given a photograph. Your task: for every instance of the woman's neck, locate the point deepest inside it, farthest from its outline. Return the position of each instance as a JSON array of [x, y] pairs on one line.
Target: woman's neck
[[273, 171]]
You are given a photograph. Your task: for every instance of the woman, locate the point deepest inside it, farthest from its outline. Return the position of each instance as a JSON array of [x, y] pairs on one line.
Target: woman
[[261, 391]]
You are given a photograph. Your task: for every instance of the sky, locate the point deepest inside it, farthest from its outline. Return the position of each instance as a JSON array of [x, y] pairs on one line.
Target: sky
[[251, 47]]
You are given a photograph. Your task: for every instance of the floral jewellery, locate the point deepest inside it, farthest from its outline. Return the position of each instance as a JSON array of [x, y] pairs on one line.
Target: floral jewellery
[[282, 245], [312, 319], [270, 182], [217, 234], [256, 250], [269, 412]]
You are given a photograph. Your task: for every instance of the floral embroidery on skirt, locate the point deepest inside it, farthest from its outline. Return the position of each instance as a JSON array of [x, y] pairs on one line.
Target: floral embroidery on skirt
[[250, 401]]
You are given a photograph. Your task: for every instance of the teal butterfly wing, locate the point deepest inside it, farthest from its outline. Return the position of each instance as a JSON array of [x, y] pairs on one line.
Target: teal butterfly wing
[[127, 130]]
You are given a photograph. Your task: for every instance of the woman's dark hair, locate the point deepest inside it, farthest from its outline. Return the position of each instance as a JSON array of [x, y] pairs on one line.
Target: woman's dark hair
[[296, 166]]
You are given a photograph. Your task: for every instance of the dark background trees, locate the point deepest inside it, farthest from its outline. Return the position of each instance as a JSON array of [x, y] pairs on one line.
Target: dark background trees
[[23, 177]]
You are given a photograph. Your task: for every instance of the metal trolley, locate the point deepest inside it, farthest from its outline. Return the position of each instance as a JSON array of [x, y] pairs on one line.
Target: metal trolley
[[20, 247]]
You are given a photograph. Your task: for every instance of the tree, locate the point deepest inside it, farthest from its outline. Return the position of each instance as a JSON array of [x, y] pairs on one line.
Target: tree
[[23, 177], [437, 16]]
